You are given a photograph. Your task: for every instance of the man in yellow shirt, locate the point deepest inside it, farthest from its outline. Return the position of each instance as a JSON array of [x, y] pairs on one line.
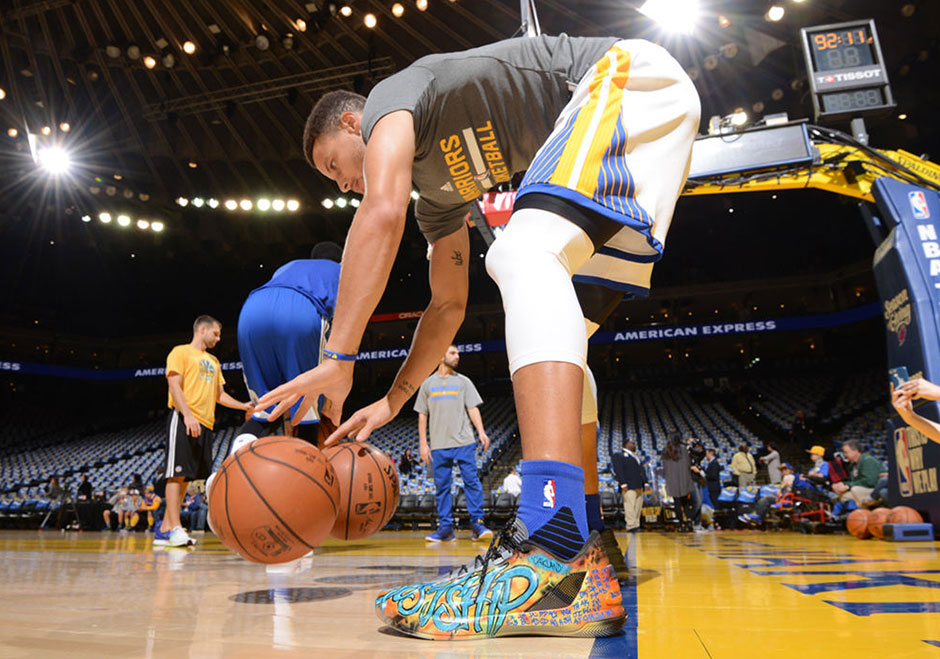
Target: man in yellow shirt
[[196, 384]]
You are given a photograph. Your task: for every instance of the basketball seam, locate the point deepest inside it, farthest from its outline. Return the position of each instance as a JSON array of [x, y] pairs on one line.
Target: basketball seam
[[268, 506], [299, 471], [231, 527], [352, 479], [384, 488]]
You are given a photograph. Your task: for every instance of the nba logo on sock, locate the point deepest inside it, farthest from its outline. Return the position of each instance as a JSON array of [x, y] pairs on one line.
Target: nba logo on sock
[[919, 205], [548, 491]]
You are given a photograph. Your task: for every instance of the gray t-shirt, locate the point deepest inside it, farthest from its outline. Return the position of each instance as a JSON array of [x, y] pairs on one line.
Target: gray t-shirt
[[446, 400], [480, 116]]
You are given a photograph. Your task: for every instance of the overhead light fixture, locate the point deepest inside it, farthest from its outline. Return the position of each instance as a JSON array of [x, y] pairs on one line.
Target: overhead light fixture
[[86, 218], [112, 51], [301, 25], [156, 226], [198, 202], [723, 21], [55, 160], [776, 94], [264, 204], [189, 47], [398, 9], [292, 205], [738, 117], [46, 131], [774, 14], [150, 61], [415, 195], [65, 127], [354, 202], [169, 61], [213, 203], [245, 204], [3, 93], [341, 202], [262, 42], [231, 204], [288, 41], [124, 220], [673, 15], [133, 51], [277, 204], [12, 132], [128, 193], [902, 116], [370, 21], [182, 201], [421, 4], [193, 165], [105, 218], [327, 203], [346, 11], [143, 224]]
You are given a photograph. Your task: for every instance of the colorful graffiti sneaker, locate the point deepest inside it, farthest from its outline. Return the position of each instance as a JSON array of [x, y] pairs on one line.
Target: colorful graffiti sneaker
[[516, 588]]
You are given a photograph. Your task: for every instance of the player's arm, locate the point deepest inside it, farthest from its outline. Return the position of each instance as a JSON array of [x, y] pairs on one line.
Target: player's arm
[[175, 383], [225, 399], [442, 318], [901, 400], [423, 449], [477, 420]]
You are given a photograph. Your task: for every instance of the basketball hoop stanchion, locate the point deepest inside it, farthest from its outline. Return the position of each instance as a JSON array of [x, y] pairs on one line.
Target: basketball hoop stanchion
[[530, 18]]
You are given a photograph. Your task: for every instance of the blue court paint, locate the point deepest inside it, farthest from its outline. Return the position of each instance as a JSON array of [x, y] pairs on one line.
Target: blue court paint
[[871, 608], [883, 579], [623, 645], [790, 573], [934, 643]]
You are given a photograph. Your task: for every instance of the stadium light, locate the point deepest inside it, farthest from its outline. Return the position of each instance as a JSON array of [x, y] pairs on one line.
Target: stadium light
[[65, 127], [189, 47], [86, 218], [3, 93], [415, 195], [327, 203], [354, 202], [292, 205], [398, 9], [198, 202], [213, 203], [231, 204], [774, 14], [55, 160], [105, 218], [421, 4], [370, 21], [12, 132], [673, 15], [263, 204], [150, 61], [346, 11], [182, 201], [246, 204], [124, 220], [278, 205], [157, 226], [739, 117], [341, 202], [143, 224]]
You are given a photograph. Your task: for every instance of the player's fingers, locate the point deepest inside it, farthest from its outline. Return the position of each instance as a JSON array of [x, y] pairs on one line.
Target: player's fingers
[[281, 407], [276, 395], [335, 414], [367, 429], [302, 410], [343, 431]]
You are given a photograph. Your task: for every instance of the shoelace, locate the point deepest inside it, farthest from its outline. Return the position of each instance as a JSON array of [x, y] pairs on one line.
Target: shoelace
[[503, 544]]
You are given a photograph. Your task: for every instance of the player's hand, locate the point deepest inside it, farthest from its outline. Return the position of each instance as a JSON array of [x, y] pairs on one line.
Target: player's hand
[[249, 410], [901, 401], [485, 441], [361, 424], [193, 429], [920, 388], [332, 378], [425, 451]]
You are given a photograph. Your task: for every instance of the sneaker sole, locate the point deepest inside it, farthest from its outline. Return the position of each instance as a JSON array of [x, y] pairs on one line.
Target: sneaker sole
[[612, 549], [160, 543], [451, 539]]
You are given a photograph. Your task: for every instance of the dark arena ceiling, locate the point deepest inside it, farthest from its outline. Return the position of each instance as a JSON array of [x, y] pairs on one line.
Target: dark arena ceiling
[[147, 122]]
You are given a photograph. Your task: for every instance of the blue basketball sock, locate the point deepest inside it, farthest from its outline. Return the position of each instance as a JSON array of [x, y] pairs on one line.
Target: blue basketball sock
[[592, 507], [552, 506]]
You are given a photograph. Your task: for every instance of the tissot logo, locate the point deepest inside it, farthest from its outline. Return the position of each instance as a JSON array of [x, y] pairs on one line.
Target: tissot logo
[[849, 76]]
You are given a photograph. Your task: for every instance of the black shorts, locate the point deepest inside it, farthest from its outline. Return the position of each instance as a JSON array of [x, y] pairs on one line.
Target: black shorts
[[189, 457]]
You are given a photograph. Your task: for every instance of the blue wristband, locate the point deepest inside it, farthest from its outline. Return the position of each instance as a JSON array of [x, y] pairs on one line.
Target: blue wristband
[[338, 356]]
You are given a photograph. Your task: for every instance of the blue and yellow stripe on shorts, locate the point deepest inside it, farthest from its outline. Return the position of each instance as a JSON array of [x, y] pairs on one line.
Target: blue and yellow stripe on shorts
[[585, 160]]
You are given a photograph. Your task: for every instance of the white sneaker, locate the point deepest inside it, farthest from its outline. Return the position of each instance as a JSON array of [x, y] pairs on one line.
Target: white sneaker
[[179, 538]]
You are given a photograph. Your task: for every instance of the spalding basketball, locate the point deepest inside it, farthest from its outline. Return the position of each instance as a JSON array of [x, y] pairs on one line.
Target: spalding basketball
[[274, 500], [904, 515], [369, 491], [857, 523], [877, 519]]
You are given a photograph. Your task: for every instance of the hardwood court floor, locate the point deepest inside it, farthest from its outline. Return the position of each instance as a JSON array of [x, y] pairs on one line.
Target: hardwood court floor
[[719, 595]]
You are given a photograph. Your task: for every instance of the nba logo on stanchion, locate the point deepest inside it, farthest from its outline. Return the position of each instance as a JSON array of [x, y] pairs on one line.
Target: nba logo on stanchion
[[902, 457], [918, 205], [548, 492]]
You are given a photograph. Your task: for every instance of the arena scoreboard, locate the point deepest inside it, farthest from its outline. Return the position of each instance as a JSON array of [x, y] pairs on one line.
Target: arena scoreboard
[[847, 73]]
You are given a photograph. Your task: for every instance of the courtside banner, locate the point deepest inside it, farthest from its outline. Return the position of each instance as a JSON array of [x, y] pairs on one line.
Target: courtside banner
[[696, 331]]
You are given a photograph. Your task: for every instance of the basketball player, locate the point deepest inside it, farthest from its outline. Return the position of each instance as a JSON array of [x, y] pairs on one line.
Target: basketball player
[[196, 384], [282, 329], [604, 129]]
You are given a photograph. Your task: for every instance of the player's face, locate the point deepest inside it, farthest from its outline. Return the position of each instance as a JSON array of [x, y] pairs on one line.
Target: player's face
[[212, 334], [339, 155], [452, 357]]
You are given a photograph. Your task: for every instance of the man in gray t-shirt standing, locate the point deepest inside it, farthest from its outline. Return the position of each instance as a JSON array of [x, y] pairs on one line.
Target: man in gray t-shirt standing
[[452, 403]]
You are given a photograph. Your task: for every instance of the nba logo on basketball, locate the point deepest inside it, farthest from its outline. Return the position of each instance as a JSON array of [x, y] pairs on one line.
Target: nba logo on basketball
[[548, 491], [918, 205], [902, 457]]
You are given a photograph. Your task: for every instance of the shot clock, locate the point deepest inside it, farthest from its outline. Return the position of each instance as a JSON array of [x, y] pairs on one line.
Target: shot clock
[[847, 75]]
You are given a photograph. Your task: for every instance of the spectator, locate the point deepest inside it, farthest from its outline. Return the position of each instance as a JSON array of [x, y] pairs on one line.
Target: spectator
[[772, 460], [407, 463], [879, 496], [149, 505], [629, 472], [186, 509], [513, 483], [864, 473], [129, 506], [137, 483], [116, 502], [820, 467], [902, 399], [712, 476], [677, 472], [199, 511], [743, 466], [696, 455], [54, 491], [84, 489], [787, 478]]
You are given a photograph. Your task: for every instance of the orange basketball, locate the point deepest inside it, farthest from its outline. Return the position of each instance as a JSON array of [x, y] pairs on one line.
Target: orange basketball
[[857, 523], [876, 520], [274, 500], [369, 492], [904, 515]]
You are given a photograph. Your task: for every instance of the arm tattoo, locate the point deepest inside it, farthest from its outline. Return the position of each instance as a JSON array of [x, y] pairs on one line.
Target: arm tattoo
[[406, 387], [457, 258]]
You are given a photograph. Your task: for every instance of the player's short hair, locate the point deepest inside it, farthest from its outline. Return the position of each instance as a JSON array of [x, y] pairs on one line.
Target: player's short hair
[[328, 251], [324, 117], [853, 444], [204, 319]]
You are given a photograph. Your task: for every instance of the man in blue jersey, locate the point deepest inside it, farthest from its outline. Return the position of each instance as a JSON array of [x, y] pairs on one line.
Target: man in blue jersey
[[282, 329]]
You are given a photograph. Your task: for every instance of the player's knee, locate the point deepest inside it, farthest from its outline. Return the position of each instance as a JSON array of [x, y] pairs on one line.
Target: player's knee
[[499, 258]]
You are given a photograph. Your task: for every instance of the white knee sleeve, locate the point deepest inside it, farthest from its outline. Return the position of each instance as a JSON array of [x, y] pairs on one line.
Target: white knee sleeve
[[532, 262]]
